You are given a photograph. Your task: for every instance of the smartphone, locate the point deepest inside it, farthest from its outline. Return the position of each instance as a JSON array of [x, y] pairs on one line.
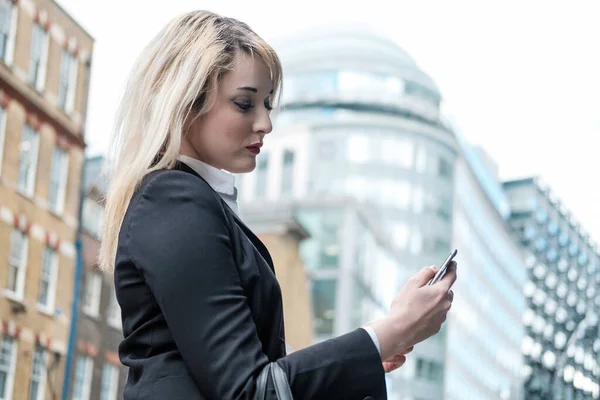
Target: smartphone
[[442, 271]]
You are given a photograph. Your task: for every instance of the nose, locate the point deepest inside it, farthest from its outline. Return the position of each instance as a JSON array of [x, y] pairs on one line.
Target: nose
[[263, 124]]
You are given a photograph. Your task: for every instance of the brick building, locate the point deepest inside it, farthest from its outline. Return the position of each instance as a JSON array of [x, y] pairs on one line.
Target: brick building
[[44, 78]]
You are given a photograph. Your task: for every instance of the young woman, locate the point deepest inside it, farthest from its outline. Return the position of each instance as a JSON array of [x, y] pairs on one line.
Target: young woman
[[201, 306]]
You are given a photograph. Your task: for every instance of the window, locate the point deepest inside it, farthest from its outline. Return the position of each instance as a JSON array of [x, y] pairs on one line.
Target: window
[[444, 210], [358, 149], [444, 168], [416, 242], [93, 217], [93, 288], [82, 383], [38, 56], [261, 176], [329, 244], [17, 262], [400, 234], [37, 385], [421, 161], [429, 370], [418, 199], [359, 83], [68, 81], [324, 293], [110, 382], [8, 30], [28, 160], [440, 246], [59, 170], [47, 293], [8, 360], [287, 176], [2, 134], [397, 151], [114, 311]]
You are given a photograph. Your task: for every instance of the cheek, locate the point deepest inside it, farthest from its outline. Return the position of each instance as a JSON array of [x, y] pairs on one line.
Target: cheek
[[237, 128]]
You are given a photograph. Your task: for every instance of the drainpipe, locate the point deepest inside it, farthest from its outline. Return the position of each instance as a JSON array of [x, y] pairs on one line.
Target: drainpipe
[[76, 288]]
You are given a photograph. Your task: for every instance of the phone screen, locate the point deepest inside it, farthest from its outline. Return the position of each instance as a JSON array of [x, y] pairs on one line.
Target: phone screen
[[442, 271]]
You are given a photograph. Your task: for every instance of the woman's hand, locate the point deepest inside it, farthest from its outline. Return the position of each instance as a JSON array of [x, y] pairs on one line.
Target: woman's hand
[[417, 313], [395, 361]]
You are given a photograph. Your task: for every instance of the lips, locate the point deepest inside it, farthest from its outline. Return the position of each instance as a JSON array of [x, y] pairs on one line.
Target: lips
[[255, 148]]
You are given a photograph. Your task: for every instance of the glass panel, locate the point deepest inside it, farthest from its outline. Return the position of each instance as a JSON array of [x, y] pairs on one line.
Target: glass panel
[[65, 68], [330, 250], [358, 149], [287, 175], [261, 176], [56, 177], [37, 373], [6, 358], [444, 168], [47, 266], [27, 159], [6, 8], [37, 44], [324, 293]]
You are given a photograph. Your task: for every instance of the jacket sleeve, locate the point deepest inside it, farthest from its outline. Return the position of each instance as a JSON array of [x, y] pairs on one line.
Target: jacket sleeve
[[180, 242]]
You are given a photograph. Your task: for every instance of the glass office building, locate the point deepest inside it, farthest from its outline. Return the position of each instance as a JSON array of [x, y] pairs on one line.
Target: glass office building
[[562, 342], [483, 355], [361, 125]]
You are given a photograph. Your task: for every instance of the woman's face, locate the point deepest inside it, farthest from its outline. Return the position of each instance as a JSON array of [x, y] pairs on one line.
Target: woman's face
[[230, 135]]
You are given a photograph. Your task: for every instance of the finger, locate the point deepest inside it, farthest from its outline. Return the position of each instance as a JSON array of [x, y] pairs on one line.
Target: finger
[[390, 366], [450, 277], [408, 350], [423, 276], [396, 358], [451, 295]]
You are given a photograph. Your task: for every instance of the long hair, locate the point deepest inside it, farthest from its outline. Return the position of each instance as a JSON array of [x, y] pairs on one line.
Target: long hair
[[176, 74]]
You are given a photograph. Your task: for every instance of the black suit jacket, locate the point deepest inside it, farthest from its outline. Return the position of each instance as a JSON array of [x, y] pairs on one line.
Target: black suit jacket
[[201, 306]]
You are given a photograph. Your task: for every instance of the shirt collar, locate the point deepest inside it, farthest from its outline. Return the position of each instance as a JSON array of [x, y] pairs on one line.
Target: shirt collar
[[222, 182]]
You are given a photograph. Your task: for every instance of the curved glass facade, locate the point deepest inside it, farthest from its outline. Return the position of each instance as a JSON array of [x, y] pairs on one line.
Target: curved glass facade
[[353, 85]]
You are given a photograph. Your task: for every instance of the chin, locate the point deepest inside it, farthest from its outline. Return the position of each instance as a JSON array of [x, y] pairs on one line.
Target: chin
[[243, 167]]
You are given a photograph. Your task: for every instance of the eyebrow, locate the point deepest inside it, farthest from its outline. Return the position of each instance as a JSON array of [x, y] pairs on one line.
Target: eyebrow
[[252, 89]]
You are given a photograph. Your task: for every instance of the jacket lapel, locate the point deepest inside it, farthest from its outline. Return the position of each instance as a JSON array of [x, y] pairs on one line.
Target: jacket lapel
[[258, 244]]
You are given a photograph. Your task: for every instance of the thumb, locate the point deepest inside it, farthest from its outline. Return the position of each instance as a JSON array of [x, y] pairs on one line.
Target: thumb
[[423, 276]]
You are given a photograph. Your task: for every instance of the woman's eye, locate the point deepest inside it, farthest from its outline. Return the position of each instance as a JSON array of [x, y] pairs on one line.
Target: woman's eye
[[244, 106], [268, 106]]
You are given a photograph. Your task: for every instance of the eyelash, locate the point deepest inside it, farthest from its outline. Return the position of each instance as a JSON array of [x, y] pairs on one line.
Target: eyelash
[[247, 106]]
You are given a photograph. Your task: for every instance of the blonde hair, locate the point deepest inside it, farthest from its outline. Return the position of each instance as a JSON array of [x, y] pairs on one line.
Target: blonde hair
[[177, 73]]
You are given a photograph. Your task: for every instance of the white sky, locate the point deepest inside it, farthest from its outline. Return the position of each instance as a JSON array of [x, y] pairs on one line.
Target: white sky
[[521, 77]]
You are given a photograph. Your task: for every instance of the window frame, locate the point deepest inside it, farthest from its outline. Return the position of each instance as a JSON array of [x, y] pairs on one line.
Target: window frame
[[52, 280], [27, 188], [39, 80], [58, 205], [19, 291], [93, 282], [11, 371], [9, 52], [42, 378], [86, 380]]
